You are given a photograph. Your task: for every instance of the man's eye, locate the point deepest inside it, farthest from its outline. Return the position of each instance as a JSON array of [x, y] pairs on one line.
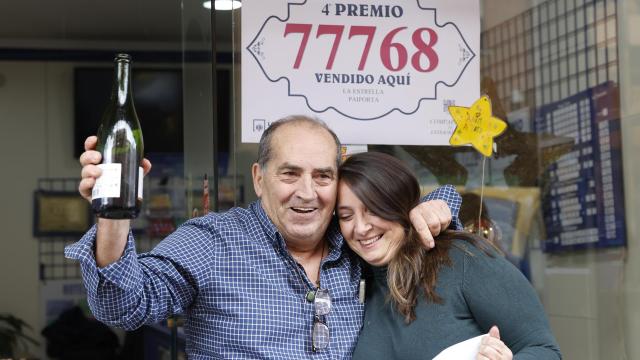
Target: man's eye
[[288, 176], [324, 178]]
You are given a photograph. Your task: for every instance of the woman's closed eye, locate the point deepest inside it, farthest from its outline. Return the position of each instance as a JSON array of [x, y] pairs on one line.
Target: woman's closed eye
[[345, 217]]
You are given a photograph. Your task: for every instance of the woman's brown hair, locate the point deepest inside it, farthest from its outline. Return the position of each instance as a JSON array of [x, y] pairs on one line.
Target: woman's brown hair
[[389, 189]]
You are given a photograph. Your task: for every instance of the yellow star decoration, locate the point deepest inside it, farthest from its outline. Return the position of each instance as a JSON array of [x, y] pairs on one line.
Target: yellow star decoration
[[476, 126]]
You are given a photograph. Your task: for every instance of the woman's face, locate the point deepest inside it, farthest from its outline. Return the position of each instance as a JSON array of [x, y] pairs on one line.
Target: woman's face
[[376, 240]]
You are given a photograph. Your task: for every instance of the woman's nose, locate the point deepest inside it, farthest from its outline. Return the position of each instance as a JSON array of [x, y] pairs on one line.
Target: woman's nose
[[362, 225]]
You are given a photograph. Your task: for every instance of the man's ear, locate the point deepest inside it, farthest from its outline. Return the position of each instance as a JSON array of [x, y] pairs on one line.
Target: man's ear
[[256, 173]]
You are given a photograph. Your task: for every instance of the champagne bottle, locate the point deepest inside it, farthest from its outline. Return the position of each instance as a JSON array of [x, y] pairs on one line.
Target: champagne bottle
[[117, 193]]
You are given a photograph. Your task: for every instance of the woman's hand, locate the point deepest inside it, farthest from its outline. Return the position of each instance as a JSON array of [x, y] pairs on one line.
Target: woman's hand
[[492, 348]]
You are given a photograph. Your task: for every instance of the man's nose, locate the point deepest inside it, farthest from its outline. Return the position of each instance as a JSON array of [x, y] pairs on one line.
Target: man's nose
[[306, 189]]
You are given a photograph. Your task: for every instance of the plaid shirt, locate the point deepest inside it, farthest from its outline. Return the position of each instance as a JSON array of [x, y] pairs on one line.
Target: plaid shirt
[[242, 293]]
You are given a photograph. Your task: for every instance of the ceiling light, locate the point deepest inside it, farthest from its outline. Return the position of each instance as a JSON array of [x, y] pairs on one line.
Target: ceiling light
[[223, 4]]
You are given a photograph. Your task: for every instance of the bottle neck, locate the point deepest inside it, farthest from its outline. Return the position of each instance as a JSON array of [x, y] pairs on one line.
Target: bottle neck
[[121, 92]]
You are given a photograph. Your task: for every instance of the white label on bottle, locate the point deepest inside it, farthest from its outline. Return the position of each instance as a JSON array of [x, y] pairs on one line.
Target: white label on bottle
[[140, 182], [108, 184]]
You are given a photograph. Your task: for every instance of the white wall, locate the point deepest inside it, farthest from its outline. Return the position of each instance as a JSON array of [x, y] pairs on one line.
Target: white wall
[[629, 20], [36, 137]]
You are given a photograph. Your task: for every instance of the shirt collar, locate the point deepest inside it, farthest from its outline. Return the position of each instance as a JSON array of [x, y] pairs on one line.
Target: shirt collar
[[268, 226]]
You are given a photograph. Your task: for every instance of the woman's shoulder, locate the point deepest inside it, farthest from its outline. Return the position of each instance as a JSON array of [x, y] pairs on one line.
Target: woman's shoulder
[[481, 252], [463, 247], [482, 261]]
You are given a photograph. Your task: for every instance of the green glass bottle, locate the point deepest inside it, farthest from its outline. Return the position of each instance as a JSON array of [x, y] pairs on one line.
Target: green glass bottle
[[117, 193]]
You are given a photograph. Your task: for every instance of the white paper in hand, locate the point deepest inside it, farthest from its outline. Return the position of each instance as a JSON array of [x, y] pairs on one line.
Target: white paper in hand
[[466, 350]]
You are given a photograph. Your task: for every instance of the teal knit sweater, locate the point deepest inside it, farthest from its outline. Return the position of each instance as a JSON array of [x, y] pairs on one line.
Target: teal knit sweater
[[479, 291]]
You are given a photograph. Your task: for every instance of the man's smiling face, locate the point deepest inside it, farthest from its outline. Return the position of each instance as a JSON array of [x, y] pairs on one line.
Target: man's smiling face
[[298, 185]]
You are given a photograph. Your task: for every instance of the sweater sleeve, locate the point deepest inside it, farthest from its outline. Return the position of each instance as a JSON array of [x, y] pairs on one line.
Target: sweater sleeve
[[498, 294]]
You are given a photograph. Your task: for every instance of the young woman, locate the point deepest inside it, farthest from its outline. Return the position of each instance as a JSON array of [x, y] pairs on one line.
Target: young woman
[[420, 302]]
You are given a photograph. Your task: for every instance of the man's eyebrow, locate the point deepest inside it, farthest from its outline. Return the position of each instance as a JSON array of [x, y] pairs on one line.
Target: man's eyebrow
[[326, 170], [288, 166]]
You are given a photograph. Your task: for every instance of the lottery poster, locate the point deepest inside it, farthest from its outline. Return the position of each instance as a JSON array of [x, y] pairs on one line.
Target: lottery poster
[[377, 72]]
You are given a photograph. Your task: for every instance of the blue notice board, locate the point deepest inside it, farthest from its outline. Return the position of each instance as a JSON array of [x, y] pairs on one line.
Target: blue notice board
[[583, 195]]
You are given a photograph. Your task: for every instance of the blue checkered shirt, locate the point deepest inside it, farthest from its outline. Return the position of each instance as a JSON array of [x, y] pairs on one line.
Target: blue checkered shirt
[[241, 292]]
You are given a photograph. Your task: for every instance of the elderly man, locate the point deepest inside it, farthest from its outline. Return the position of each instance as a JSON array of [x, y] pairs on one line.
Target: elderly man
[[272, 281]]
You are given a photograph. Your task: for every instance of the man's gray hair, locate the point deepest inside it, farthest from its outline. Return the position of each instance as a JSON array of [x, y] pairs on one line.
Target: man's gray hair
[[265, 151]]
